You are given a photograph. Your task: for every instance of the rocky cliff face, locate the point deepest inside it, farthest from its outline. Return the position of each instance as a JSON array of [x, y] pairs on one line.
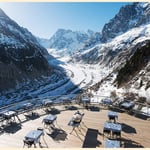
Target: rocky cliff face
[[139, 61], [129, 17], [21, 56]]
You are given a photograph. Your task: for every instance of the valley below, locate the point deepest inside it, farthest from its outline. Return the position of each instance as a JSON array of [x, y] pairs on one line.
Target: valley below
[[68, 79]]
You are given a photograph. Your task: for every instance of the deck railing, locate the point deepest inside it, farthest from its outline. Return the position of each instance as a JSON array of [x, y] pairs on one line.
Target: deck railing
[[57, 100]]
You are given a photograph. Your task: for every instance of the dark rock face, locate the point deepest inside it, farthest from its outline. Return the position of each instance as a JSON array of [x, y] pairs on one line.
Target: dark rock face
[[21, 56], [135, 64], [128, 17]]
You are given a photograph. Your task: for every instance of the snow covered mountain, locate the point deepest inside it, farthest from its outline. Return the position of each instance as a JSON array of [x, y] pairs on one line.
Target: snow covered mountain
[[66, 42], [21, 56], [129, 16], [123, 45], [117, 49], [115, 52]]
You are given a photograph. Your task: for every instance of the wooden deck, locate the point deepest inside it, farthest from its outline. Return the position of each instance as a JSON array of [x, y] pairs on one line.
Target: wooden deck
[[135, 130]]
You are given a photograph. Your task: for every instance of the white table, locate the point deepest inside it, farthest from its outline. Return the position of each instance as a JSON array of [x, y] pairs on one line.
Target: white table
[[9, 115], [49, 120], [127, 105], [112, 115], [34, 135], [113, 127], [112, 144]]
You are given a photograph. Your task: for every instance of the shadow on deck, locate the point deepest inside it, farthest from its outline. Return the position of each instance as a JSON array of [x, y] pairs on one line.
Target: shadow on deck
[[128, 129], [128, 143], [91, 139], [11, 129], [58, 134]]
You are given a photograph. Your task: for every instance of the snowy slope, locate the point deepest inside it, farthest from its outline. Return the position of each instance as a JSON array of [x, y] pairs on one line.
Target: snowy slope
[[116, 51], [113, 56]]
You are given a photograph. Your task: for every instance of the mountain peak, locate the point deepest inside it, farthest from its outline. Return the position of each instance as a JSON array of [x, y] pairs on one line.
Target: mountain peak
[[67, 41], [129, 16], [2, 13], [62, 31]]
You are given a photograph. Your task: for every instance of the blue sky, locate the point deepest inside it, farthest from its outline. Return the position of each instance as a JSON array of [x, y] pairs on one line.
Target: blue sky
[[44, 18]]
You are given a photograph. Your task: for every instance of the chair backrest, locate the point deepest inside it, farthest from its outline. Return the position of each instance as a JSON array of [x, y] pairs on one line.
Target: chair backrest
[[77, 118]]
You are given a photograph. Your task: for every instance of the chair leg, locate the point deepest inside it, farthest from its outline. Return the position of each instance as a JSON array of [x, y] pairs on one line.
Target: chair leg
[[40, 144], [72, 130], [103, 135], [34, 145], [79, 129]]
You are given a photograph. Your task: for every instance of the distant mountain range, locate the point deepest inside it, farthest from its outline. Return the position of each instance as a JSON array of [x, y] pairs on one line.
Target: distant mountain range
[[67, 41], [129, 16], [21, 56]]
